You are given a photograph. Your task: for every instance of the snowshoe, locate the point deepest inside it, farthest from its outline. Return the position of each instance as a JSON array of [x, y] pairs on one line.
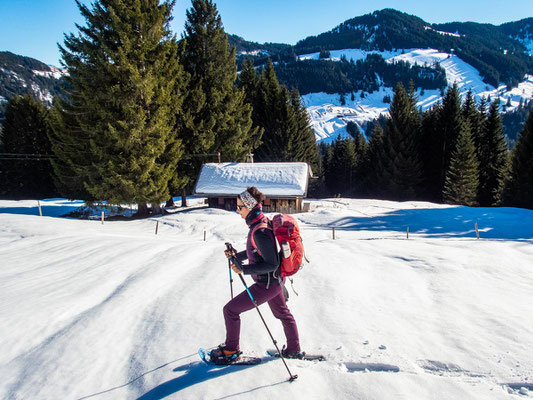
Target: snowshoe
[[241, 359], [221, 356]]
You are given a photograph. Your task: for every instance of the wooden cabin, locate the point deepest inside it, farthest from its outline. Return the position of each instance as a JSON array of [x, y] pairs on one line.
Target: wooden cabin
[[284, 184]]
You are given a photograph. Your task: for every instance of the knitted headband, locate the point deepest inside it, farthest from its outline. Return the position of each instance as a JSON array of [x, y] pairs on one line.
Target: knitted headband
[[248, 200]]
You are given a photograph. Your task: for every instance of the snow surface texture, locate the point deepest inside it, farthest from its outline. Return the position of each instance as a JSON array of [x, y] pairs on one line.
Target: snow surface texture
[[114, 311], [329, 118], [288, 179]]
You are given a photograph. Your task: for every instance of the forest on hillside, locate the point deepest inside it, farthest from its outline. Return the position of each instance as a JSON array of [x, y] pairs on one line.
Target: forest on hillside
[[139, 120]]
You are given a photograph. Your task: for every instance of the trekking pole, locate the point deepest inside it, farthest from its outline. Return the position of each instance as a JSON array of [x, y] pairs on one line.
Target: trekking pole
[[230, 278], [236, 262]]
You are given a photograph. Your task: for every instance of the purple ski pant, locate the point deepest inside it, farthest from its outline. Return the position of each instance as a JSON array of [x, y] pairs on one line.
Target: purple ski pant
[[276, 301]]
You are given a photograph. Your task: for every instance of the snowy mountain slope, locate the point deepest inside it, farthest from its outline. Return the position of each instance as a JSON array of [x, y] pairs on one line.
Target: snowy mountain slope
[[114, 311], [329, 117], [25, 75]]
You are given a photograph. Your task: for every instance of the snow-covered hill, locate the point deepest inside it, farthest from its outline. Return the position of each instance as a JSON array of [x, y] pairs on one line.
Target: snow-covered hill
[[329, 117], [25, 75], [114, 311]]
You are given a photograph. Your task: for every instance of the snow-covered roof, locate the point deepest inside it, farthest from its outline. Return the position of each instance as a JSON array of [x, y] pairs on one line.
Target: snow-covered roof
[[274, 179]]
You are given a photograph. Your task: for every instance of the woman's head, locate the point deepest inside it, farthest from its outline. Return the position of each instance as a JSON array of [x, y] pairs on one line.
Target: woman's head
[[248, 199]]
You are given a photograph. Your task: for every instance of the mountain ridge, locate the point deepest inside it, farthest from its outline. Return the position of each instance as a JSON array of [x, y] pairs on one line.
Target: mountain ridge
[[506, 47], [493, 50]]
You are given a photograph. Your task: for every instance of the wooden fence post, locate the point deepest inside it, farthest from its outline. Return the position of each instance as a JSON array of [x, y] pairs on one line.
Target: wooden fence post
[[477, 230], [156, 227], [40, 211], [333, 232], [102, 217], [205, 234]]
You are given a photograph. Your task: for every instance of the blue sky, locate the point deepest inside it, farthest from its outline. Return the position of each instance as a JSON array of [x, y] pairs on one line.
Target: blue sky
[[34, 27]]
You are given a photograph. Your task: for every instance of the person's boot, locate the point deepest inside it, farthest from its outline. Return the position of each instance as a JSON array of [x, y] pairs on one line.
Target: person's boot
[[221, 356], [292, 353]]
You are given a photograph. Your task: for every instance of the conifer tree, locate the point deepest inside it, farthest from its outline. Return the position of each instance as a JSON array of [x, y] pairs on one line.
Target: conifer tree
[[216, 116], [520, 186], [473, 116], [25, 132], [341, 167], [450, 123], [287, 134], [431, 154], [462, 177], [270, 113], [361, 171], [374, 181], [303, 141], [326, 151], [402, 168], [70, 145], [126, 89], [249, 82], [493, 158]]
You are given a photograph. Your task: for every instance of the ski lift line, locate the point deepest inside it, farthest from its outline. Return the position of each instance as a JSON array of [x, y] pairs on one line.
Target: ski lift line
[[27, 157], [20, 156], [26, 154]]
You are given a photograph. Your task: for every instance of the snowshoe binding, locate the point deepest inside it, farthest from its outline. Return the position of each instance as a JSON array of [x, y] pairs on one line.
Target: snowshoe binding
[[221, 356]]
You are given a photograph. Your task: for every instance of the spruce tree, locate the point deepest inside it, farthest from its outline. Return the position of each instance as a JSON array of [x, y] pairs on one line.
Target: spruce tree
[[71, 146], [287, 134], [249, 82], [341, 167], [402, 172], [125, 91], [450, 123], [473, 116], [327, 174], [302, 141], [520, 187], [361, 171], [25, 132], [270, 113], [374, 181], [215, 116], [431, 154], [462, 177], [493, 158]]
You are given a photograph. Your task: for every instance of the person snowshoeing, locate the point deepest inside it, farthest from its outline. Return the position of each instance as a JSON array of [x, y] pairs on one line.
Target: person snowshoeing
[[263, 265]]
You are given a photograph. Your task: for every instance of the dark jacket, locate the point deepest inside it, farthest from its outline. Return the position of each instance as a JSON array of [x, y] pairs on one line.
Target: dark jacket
[[263, 262]]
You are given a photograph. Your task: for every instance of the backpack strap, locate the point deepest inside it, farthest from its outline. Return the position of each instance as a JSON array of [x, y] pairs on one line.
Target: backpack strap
[[259, 226]]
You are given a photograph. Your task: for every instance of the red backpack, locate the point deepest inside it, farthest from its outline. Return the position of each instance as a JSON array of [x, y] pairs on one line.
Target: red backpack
[[287, 234]]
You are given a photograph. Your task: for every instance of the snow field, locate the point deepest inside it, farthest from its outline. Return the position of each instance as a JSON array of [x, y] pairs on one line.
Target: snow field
[[114, 311]]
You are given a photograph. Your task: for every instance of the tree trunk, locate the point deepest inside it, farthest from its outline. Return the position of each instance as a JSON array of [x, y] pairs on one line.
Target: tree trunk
[[170, 203], [156, 209], [142, 210], [184, 198]]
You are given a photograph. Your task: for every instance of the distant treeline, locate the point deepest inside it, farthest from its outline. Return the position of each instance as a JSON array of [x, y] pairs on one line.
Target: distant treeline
[[453, 152], [348, 76]]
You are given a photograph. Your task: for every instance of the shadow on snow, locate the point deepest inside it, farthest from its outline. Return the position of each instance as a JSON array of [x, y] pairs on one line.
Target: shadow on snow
[[196, 372], [458, 222]]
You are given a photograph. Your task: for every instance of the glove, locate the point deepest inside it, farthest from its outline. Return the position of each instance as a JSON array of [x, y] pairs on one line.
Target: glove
[[236, 269], [228, 254]]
